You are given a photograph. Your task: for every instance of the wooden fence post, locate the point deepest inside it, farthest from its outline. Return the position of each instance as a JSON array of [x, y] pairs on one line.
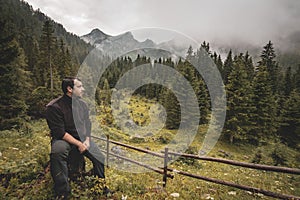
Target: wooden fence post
[[107, 150], [166, 159]]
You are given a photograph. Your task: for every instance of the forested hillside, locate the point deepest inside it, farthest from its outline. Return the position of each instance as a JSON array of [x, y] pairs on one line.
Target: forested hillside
[[263, 103], [36, 53]]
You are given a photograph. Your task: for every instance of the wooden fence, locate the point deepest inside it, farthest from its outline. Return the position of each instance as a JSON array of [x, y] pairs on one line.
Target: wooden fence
[[166, 156]]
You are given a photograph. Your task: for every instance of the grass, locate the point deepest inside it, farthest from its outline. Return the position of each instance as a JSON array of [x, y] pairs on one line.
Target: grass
[[24, 174]]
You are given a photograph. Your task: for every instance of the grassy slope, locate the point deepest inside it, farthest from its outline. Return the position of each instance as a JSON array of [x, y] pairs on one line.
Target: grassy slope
[[23, 159]]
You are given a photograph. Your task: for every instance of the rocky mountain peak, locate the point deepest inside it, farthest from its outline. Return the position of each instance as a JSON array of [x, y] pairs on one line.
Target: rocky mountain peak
[[96, 36]]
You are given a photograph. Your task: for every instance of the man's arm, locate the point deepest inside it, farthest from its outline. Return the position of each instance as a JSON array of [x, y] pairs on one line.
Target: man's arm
[[70, 139], [56, 125], [55, 122]]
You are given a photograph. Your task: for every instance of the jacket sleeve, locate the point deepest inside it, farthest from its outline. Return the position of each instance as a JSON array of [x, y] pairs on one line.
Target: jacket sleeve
[[55, 122]]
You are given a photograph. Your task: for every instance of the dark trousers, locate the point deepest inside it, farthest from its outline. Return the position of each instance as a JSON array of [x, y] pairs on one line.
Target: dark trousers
[[64, 154]]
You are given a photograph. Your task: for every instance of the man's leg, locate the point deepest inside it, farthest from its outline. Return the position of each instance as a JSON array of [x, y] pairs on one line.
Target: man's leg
[[95, 155], [97, 158], [76, 163], [58, 166]]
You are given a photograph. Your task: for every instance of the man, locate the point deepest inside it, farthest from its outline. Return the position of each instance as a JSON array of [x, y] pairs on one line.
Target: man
[[70, 126]]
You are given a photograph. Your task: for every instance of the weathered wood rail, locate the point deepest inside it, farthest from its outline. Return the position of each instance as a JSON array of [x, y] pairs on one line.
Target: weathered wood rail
[[166, 155]]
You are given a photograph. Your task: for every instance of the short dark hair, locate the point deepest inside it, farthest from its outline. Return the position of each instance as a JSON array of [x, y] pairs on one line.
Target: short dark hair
[[68, 81]]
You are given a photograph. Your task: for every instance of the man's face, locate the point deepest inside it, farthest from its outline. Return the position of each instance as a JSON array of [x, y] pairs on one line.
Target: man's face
[[78, 89]]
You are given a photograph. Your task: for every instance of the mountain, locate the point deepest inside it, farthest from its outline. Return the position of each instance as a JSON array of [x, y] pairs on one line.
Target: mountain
[[126, 44], [287, 49], [95, 37]]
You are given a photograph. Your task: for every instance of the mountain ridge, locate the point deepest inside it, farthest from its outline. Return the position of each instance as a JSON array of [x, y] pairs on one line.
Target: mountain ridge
[[287, 47]]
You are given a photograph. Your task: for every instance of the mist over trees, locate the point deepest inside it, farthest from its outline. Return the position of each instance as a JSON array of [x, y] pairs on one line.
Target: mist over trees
[[263, 98]]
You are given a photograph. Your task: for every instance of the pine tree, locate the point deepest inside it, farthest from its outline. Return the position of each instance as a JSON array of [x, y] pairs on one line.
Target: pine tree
[[199, 87], [33, 54], [227, 67], [249, 65], [265, 114], [14, 84], [203, 100], [190, 53], [268, 57], [296, 79], [239, 101], [47, 44], [61, 64], [288, 83], [105, 93], [206, 47], [219, 64], [290, 126], [171, 104]]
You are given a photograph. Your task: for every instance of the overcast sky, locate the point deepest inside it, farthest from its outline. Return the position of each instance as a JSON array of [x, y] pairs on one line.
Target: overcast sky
[[255, 21]]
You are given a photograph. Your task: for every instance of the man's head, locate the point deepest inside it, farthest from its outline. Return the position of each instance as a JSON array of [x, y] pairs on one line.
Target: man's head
[[72, 87]]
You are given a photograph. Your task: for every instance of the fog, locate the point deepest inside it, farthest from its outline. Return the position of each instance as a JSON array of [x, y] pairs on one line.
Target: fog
[[246, 21]]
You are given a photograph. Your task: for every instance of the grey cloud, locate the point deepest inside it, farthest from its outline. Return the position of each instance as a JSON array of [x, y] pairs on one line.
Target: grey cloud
[[255, 21]]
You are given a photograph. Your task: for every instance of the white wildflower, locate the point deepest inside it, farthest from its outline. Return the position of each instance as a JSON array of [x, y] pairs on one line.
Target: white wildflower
[[175, 195], [207, 196], [260, 195]]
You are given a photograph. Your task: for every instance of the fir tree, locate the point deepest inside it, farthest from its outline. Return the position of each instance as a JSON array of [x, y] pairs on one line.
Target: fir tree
[[47, 44], [288, 84], [296, 79], [268, 60], [290, 126], [265, 114], [33, 57], [171, 104], [206, 47], [203, 99], [227, 67], [239, 101], [219, 64], [105, 93], [249, 65], [60, 61], [190, 53], [14, 84]]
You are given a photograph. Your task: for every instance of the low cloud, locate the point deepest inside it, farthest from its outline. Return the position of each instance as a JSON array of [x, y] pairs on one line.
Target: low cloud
[[252, 21]]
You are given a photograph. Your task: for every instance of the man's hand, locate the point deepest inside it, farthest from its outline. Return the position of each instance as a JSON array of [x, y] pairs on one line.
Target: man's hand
[[82, 147], [87, 142]]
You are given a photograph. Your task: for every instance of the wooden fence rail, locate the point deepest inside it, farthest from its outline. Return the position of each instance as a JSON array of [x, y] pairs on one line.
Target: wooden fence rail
[[242, 187], [141, 164], [241, 164], [166, 155]]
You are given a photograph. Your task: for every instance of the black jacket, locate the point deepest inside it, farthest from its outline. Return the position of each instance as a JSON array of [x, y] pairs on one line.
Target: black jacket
[[60, 118]]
